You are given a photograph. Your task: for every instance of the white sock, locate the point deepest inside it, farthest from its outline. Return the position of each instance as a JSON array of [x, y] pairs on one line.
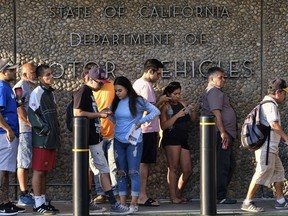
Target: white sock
[[247, 202], [281, 201], [38, 201], [43, 198]]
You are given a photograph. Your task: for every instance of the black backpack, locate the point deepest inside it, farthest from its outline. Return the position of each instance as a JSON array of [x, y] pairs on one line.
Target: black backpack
[[253, 132], [69, 116]]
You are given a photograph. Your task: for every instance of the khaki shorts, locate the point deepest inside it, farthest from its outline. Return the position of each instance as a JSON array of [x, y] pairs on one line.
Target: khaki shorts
[[97, 160], [273, 172]]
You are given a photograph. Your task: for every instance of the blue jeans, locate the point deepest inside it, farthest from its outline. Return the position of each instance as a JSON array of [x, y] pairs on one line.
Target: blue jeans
[[108, 148], [128, 159]]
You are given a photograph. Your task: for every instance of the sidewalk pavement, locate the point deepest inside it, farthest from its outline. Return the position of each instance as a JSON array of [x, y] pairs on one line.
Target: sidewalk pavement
[[166, 208]]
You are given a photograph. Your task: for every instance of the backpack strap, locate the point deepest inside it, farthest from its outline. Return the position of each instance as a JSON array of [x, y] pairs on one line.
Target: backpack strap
[[268, 144], [268, 141]]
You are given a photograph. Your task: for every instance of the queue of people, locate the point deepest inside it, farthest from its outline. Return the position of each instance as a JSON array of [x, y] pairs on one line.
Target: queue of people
[[123, 136]]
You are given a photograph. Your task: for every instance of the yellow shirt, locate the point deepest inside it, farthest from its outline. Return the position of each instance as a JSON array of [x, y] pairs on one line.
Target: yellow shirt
[[104, 98]]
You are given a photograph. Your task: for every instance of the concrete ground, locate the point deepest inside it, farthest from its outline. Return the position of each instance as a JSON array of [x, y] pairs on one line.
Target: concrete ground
[[166, 208]]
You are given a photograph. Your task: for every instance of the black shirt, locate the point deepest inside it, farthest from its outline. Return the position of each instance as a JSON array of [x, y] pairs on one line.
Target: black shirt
[[84, 100]]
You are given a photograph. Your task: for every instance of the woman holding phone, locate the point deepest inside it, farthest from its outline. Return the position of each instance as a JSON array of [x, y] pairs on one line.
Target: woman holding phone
[[175, 119]]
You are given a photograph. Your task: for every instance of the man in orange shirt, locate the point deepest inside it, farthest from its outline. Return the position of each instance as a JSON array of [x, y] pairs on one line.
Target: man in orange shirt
[[104, 98]]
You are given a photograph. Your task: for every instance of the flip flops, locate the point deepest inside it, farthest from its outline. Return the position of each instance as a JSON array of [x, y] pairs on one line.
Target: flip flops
[[149, 202]]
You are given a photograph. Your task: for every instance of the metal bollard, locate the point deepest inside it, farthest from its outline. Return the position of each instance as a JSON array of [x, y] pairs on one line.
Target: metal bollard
[[208, 190], [80, 166]]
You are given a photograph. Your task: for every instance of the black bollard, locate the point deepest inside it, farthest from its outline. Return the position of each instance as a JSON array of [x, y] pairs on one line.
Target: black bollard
[[80, 167], [208, 205]]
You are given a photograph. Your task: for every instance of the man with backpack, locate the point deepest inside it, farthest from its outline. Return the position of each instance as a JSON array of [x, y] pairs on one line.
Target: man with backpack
[[273, 171], [216, 102]]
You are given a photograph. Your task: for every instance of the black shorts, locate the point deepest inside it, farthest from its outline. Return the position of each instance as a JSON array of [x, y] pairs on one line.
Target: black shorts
[[175, 137], [150, 145]]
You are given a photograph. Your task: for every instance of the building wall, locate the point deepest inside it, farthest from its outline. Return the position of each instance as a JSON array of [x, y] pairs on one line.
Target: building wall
[[247, 38]]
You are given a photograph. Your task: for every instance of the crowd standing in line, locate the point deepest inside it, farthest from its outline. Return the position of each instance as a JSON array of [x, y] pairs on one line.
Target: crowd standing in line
[[273, 172], [128, 153], [42, 114], [143, 86], [216, 102], [92, 97], [24, 157]]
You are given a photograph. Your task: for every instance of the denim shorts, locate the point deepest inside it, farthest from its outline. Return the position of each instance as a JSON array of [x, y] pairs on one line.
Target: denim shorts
[[24, 156]]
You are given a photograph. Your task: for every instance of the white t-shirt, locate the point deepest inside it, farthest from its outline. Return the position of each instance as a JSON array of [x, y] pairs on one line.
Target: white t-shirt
[[270, 114]]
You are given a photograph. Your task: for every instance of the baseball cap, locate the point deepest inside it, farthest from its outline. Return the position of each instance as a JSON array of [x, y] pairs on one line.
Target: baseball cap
[[98, 74], [7, 64], [278, 84]]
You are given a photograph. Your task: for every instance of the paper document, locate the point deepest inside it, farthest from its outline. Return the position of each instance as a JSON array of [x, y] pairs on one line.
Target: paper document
[[133, 135]]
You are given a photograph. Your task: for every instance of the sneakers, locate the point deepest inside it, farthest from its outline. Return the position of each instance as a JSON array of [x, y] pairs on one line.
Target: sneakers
[[93, 207], [226, 201], [252, 208], [119, 209], [133, 208], [51, 207], [43, 210], [100, 199], [12, 206], [26, 200], [281, 206], [7, 211]]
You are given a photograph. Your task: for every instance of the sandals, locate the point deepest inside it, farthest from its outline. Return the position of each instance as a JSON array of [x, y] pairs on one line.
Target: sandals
[[149, 202]]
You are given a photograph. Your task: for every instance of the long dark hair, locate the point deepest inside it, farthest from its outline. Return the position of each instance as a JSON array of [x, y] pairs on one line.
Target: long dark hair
[[123, 81], [172, 86]]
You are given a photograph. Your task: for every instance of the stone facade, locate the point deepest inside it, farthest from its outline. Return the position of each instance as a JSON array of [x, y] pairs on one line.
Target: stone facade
[[247, 38]]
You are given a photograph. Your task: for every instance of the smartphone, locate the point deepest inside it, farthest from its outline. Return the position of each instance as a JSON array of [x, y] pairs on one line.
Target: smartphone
[[18, 92], [187, 109]]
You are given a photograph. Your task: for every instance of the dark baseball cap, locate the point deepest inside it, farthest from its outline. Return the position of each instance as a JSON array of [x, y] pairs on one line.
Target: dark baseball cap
[[278, 84], [98, 74]]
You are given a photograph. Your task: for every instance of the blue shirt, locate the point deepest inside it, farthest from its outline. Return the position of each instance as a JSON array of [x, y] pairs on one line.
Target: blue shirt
[[124, 120], [8, 107]]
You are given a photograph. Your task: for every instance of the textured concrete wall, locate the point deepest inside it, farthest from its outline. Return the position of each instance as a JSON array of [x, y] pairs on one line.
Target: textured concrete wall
[[248, 38]]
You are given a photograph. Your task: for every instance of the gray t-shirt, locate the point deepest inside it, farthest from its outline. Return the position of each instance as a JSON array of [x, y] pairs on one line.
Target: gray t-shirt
[[215, 99], [27, 88]]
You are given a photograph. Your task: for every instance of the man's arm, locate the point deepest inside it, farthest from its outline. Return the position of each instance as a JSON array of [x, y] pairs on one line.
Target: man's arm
[[278, 129], [7, 128], [22, 114], [91, 115], [162, 99], [219, 123]]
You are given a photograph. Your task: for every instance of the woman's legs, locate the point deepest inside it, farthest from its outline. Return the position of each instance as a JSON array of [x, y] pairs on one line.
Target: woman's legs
[[121, 162], [173, 153], [186, 167], [134, 153]]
